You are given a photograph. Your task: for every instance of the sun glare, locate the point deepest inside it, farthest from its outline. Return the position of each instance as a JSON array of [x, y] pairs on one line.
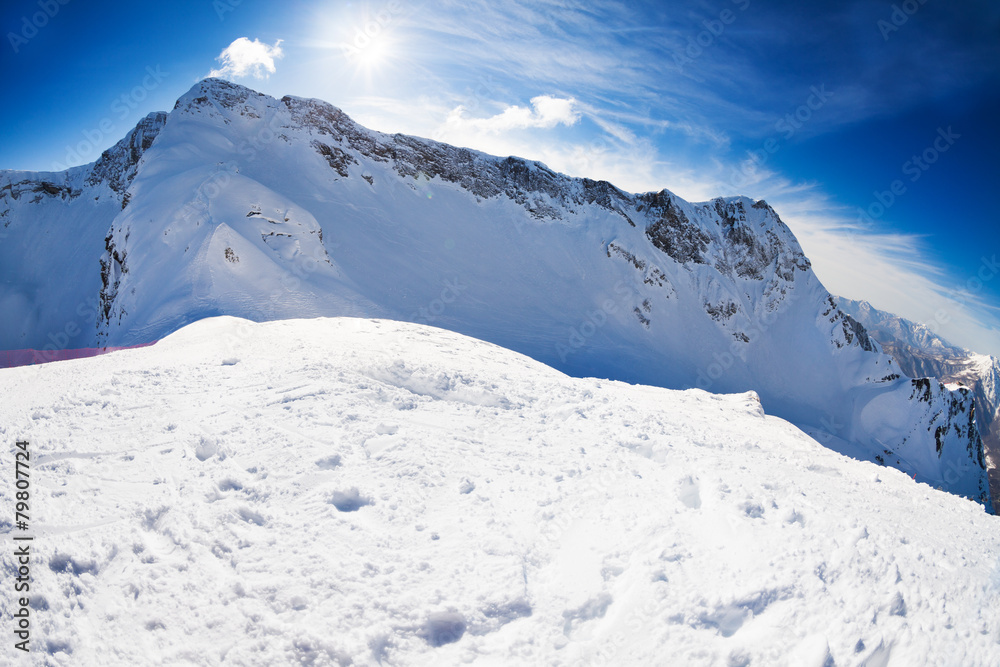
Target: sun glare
[[364, 45], [367, 44], [375, 53]]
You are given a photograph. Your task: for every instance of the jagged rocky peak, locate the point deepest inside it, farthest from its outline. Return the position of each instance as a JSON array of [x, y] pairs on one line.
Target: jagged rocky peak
[[322, 116], [850, 331], [544, 193], [900, 331], [117, 166], [672, 231], [224, 93], [737, 236], [959, 415]]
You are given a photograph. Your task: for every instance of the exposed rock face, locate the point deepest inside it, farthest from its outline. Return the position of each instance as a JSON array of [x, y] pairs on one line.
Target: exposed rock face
[[117, 166], [851, 330], [672, 231], [113, 268], [238, 203], [338, 160], [35, 190]]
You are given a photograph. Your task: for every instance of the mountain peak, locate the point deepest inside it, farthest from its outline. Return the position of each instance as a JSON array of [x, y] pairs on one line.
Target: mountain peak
[[218, 93], [214, 88], [242, 204]]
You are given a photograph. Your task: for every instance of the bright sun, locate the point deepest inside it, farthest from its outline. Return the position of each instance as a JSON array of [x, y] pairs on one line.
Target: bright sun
[[365, 47], [369, 49], [373, 54]]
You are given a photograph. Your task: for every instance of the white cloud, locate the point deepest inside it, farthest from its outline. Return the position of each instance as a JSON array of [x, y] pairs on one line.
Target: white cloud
[[547, 112], [245, 58]]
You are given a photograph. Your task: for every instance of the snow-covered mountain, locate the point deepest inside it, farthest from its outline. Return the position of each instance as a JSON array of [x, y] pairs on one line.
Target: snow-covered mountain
[[241, 204], [356, 492], [921, 353]]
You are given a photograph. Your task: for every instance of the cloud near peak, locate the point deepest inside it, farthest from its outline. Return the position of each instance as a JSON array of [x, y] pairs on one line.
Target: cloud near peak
[[546, 112], [245, 58]]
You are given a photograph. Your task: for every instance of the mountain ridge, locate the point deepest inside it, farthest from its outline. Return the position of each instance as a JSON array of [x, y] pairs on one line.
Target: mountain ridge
[[241, 204]]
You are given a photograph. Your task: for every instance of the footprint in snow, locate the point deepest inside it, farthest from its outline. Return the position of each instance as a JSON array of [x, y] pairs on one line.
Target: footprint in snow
[[206, 448], [349, 501], [329, 463], [687, 492], [444, 627]]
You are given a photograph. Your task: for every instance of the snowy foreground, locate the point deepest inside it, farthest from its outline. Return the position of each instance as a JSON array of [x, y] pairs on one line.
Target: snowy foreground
[[343, 491]]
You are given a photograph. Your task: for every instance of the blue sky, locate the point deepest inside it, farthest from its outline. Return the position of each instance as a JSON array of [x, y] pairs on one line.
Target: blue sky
[[822, 108]]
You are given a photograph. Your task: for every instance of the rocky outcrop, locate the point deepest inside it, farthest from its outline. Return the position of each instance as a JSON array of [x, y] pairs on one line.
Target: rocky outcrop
[[672, 231], [117, 166]]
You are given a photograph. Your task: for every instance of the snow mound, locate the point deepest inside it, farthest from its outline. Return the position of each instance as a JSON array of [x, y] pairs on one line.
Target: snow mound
[[370, 492]]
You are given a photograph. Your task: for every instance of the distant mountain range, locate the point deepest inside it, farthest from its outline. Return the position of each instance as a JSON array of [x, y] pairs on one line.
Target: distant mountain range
[[921, 353], [236, 203]]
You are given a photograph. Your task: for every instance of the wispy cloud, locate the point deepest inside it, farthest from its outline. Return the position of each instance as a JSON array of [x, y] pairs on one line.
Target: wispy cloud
[[244, 58], [594, 89], [893, 271]]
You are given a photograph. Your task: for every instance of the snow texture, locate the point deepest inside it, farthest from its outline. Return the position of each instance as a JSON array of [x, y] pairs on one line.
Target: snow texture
[[370, 492]]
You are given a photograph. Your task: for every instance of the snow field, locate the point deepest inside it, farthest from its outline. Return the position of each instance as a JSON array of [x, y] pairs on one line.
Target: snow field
[[344, 491]]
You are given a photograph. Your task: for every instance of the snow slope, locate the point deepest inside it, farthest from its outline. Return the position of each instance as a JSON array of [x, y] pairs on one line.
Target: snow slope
[[921, 353], [236, 203], [346, 491]]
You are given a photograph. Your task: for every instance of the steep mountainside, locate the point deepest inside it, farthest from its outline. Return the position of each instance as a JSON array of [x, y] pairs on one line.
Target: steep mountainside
[[921, 353], [237, 203]]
